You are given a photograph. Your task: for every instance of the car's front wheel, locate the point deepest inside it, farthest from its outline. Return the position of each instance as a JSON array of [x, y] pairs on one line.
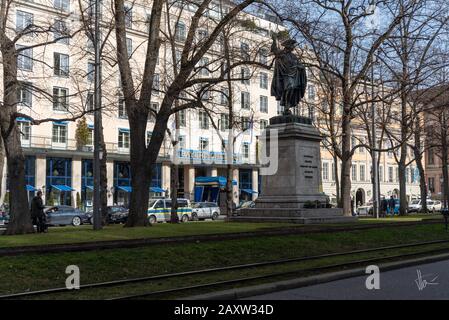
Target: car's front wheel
[[215, 216], [152, 219], [185, 218], [195, 216], [76, 221]]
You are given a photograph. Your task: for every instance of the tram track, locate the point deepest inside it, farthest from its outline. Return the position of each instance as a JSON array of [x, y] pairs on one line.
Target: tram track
[[47, 293]]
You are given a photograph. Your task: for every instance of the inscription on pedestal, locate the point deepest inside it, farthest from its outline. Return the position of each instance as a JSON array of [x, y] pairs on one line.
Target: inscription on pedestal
[[308, 164]]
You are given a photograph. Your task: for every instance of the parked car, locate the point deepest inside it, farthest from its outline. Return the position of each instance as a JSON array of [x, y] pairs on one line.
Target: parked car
[[65, 215], [116, 214], [4, 218], [244, 205], [159, 210], [416, 205], [205, 210], [365, 210]]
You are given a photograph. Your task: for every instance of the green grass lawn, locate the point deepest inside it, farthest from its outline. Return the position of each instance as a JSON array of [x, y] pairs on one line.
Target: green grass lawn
[[85, 233], [32, 272], [69, 234]]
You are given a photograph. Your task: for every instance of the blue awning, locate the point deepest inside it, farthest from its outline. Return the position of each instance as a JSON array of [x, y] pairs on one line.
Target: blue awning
[[123, 129], [157, 190], [61, 123], [90, 126], [249, 191], [89, 187], [62, 187], [125, 188], [213, 180], [23, 119], [30, 188]]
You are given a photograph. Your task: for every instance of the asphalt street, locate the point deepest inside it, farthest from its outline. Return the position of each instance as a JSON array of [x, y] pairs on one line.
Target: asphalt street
[[423, 282]]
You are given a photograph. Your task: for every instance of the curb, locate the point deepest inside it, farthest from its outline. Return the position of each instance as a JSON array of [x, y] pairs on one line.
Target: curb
[[240, 293]]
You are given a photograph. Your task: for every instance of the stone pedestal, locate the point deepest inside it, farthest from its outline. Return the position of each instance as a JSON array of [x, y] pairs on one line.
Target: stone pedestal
[[293, 194]]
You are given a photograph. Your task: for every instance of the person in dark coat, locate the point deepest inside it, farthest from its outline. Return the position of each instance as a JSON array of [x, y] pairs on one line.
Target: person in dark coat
[[391, 204], [37, 212], [383, 207]]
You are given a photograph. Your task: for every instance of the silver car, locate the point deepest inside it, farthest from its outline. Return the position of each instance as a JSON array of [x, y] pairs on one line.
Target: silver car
[[205, 210], [65, 215]]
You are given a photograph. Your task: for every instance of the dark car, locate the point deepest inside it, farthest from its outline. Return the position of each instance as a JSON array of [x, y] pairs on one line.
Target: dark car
[[65, 215], [116, 214]]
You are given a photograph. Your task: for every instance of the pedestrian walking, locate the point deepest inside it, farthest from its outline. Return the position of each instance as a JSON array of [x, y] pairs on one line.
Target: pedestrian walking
[[391, 205], [37, 213], [383, 207]]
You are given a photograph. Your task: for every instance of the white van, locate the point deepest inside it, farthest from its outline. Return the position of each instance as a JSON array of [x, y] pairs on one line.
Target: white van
[[159, 210]]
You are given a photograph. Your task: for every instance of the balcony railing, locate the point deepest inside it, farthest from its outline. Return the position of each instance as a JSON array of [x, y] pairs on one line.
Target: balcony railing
[[45, 142], [206, 157]]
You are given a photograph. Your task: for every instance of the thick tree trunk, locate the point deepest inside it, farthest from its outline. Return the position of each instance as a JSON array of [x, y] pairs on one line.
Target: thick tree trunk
[[141, 173], [19, 210], [2, 164], [229, 195], [20, 217], [420, 166], [337, 179], [104, 182]]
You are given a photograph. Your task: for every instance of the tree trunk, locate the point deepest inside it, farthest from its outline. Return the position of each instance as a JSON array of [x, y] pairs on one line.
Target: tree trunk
[[402, 188], [104, 182], [420, 166], [229, 194], [20, 217], [2, 164], [174, 185], [337, 179], [141, 173], [20, 222], [346, 159]]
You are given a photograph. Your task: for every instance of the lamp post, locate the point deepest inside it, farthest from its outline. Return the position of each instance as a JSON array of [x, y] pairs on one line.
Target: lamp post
[[98, 153]]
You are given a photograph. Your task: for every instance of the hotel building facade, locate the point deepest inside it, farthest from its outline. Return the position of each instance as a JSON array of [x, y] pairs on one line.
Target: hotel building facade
[[63, 74]]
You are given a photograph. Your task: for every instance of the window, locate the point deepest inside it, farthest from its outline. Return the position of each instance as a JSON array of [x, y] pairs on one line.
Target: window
[[413, 175], [263, 124], [60, 32], [61, 64], [129, 46], [245, 75], [202, 34], [280, 109], [245, 150], [60, 99], [390, 174], [182, 119], [204, 144], [333, 171], [156, 84], [23, 20], [128, 17], [25, 58], [431, 183], [362, 172], [325, 106], [204, 63], [182, 142], [224, 96], [246, 123], [407, 175], [325, 171], [90, 71], [122, 109], [204, 120], [123, 139], [205, 96], [90, 137], [224, 121], [354, 172], [25, 132], [149, 135], [90, 102], [244, 50], [245, 100], [180, 31], [362, 141], [62, 5], [431, 156], [311, 93], [381, 173], [263, 77], [59, 133], [264, 104], [397, 174], [25, 94], [263, 56]]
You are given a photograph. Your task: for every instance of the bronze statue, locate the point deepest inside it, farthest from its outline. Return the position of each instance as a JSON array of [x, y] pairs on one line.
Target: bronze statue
[[290, 78]]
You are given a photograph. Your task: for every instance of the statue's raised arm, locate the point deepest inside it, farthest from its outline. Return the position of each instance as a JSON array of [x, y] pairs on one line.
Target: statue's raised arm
[[274, 46]]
